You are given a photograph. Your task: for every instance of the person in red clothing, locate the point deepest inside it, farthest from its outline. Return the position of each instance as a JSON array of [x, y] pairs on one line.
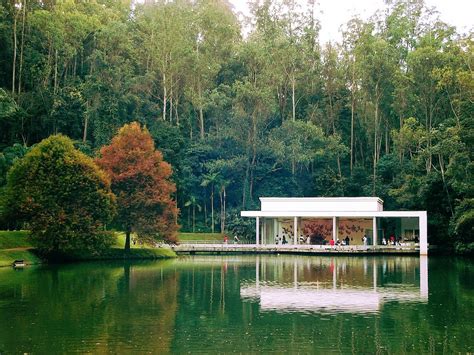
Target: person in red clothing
[[331, 242], [226, 239]]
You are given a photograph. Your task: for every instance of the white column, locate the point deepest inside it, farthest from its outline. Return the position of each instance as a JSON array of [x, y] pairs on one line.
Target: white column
[[257, 230], [334, 229], [275, 230], [423, 227], [295, 230], [374, 233], [264, 232]]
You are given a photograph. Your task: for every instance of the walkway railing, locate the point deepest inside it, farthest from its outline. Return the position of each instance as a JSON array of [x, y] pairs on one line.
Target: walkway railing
[[289, 248]]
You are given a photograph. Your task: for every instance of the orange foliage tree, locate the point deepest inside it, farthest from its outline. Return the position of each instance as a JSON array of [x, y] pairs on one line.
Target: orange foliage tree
[[141, 181]]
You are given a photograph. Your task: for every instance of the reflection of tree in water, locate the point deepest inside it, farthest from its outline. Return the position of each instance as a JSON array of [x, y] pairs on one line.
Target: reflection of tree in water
[[96, 307]]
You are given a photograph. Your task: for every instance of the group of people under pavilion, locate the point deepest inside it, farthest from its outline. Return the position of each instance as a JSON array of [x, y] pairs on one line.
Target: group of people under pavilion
[[360, 232]]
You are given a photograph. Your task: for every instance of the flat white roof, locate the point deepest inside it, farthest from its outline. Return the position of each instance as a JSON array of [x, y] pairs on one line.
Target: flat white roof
[[322, 199], [332, 213], [321, 204]]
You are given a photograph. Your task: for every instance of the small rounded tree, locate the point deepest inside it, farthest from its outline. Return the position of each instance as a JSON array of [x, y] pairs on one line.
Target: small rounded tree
[[141, 181], [62, 195]]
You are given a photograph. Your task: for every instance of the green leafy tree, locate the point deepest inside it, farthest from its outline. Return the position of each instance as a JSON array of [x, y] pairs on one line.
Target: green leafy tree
[[62, 196]]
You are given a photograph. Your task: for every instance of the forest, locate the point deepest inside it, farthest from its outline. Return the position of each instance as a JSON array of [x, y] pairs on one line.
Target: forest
[[249, 107]]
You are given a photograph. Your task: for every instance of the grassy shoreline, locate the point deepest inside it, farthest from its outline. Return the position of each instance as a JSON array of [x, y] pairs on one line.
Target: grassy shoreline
[[15, 245]]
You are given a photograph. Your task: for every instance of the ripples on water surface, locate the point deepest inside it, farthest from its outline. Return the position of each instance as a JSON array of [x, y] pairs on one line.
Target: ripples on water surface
[[241, 304]]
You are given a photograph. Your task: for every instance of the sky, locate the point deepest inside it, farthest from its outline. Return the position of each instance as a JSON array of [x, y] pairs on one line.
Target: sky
[[334, 13]]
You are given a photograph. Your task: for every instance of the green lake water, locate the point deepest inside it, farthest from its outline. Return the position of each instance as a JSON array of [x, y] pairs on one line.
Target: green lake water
[[242, 304]]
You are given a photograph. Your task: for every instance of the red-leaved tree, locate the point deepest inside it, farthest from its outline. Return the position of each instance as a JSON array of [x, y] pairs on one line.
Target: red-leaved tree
[[141, 181]]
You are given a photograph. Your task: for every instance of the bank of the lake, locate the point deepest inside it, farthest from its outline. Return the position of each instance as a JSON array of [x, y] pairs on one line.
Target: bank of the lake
[[15, 245]]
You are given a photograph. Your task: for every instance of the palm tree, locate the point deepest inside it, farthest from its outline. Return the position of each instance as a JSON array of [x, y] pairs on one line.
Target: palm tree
[[192, 202], [222, 196], [211, 179]]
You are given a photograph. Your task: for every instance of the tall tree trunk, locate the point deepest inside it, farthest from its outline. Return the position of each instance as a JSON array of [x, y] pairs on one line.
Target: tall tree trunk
[[86, 121], [221, 208], [352, 135], [205, 207], [165, 96], [376, 119], [171, 101], [247, 172], [293, 100], [14, 52], [352, 121], [212, 208], [127, 240], [194, 218], [176, 114], [223, 214], [189, 217], [84, 136], [55, 88], [254, 155], [21, 47], [333, 123], [441, 166], [201, 113]]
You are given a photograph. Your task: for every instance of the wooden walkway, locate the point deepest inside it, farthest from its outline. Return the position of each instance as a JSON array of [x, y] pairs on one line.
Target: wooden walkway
[[292, 249]]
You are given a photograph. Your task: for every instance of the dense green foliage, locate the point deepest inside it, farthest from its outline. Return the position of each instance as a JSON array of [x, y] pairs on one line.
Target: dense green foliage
[[387, 112], [62, 196]]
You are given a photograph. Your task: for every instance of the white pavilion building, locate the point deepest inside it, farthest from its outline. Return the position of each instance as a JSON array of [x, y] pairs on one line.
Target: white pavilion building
[[317, 220]]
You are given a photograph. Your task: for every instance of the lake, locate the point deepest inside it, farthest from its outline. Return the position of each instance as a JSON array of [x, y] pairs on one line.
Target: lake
[[318, 304]]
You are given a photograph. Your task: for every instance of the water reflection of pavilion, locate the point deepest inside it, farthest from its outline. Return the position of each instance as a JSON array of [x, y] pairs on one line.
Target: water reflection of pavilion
[[336, 284]]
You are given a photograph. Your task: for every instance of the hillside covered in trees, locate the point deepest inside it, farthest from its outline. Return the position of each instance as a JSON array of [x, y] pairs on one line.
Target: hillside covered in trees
[[387, 112]]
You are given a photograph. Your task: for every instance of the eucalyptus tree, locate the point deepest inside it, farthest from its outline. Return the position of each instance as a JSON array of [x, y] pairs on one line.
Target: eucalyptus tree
[[334, 91], [254, 105], [429, 56], [215, 32], [166, 43], [376, 69]]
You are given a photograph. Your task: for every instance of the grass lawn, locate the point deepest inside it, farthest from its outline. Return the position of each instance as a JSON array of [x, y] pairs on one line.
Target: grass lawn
[[15, 245], [14, 239], [7, 257], [184, 237]]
